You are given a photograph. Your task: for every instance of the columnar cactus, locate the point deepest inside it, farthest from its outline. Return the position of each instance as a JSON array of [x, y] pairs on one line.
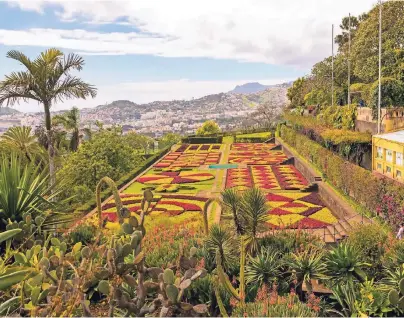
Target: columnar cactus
[[240, 293], [117, 198]]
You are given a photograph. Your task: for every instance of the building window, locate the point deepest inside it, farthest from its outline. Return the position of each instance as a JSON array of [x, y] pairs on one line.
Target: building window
[[389, 156], [379, 153], [398, 174], [379, 166], [399, 158], [388, 169]]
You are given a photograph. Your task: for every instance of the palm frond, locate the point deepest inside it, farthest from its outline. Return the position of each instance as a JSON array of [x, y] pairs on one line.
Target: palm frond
[[72, 87], [22, 58]]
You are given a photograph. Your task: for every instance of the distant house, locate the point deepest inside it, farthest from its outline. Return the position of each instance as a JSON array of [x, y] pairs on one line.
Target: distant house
[[387, 155]]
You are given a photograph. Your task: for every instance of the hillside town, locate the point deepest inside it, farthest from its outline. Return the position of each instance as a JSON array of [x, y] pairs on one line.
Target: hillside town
[[229, 110]]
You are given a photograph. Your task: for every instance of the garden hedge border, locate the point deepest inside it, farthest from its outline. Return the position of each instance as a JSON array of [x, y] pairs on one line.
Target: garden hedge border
[[202, 140], [91, 204], [364, 187]]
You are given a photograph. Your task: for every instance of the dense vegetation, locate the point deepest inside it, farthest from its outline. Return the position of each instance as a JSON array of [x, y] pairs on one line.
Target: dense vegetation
[[315, 89]]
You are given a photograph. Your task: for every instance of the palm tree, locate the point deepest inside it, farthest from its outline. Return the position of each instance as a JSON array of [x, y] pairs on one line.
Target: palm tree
[[221, 241], [231, 200], [22, 140], [46, 80], [253, 213], [71, 122]]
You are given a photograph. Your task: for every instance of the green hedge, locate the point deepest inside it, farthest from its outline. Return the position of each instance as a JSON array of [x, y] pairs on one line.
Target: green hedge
[[91, 204], [203, 140], [253, 137], [360, 184]]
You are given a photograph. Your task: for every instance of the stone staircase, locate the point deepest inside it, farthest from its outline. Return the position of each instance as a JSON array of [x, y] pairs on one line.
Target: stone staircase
[[338, 231]]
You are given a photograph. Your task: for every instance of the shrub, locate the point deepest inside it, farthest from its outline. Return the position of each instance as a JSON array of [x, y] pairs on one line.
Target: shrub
[[372, 240], [83, 233], [392, 94]]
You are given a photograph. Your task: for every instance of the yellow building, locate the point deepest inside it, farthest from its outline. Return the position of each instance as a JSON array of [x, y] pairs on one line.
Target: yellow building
[[387, 157]]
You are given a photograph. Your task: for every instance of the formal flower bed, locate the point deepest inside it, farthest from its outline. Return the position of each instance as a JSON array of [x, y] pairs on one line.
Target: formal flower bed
[[298, 210], [173, 177], [188, 159], [265, 177], [239, 177], [202, 148], [288, 177], [257, 157], [252, 147], [171, 205]]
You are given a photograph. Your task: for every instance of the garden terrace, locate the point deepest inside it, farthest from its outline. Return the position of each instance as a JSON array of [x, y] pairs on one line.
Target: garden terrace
[[191, 174]]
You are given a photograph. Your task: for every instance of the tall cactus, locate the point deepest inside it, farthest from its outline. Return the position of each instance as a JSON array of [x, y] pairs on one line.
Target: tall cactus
[[117, 198], [224, 279], [205, 215]]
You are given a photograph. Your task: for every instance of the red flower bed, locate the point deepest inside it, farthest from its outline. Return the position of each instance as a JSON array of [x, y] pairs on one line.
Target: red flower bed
[[252, 146], [162, 204], [182, 148], [239, 177], [204, 148], [289, 180]]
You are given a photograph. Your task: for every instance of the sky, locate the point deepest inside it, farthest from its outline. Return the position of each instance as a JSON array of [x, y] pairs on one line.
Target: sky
[[147, 50]]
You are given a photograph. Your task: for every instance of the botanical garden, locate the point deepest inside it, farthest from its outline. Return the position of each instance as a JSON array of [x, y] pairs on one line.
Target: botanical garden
[[280, 219]]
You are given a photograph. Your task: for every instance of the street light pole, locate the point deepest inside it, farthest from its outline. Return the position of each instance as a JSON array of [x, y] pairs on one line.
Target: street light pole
[[332, 66], [379, 110], [349, 59]]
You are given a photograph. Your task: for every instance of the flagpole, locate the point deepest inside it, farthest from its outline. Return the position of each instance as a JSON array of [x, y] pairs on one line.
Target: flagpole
[[349, 59], [379, 110], [332, 66]]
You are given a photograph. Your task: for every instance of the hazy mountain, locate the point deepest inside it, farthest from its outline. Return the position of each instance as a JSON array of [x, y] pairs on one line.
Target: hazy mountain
[[8, 111], [250, 88]]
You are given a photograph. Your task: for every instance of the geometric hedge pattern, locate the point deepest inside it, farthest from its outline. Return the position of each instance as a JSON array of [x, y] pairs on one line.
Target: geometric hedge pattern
[[265, 177], [298, 210], [269, 157]]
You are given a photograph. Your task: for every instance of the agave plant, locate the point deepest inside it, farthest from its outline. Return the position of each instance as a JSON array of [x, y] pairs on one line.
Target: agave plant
[[307, 266], [23, 189], [393, 277], [264, 268], [344, 265], [345, 296]]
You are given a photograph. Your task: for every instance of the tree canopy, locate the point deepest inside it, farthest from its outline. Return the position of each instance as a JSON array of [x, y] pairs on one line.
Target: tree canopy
[[315, 88], [209, 127]]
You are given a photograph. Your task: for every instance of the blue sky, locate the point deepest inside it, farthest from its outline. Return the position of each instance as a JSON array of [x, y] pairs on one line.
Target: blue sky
[[162, 50]]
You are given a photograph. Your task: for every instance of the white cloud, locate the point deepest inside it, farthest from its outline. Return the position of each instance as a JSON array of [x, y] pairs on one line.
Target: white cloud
[[292, 32], [145, 92]]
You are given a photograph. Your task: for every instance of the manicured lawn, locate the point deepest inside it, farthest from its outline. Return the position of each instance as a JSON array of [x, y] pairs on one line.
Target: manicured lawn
[[256, 135]]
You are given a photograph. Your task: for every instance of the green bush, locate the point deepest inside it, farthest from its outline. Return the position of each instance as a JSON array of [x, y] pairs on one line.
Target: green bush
[[83, 233], [254, 137], [392, 94], [203, 140], [91, 203]]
